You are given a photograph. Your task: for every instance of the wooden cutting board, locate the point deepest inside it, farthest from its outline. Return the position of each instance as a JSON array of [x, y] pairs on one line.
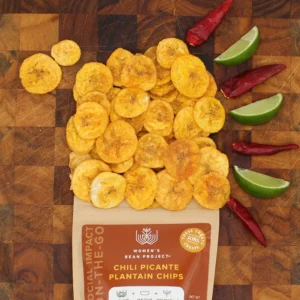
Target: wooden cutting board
[[35, 201]]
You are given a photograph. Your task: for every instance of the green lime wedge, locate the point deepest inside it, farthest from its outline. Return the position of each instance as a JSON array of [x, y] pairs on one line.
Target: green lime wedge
[[241, 51], [259, 185], [258, 112]]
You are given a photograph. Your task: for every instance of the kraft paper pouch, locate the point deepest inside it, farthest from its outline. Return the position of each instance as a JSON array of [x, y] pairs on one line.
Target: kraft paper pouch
[[154, 254]]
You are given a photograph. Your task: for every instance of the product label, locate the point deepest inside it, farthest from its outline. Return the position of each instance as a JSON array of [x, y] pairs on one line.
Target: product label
[[146, 262]]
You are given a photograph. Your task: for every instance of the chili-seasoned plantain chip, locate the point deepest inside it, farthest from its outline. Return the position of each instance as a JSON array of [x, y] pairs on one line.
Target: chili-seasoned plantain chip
[[83, 176], [181, 102], [108, 190], [141, 187], [140, 72], [201, 170], [205, 142], [161, 90], [93, 76], [122, 167], [189, 76], [97, 97], [76, 159], [169, 97], [159, 118], [185, 126], [118, 143], [116, 62], [168, 50], [113, 92], [215, 160], [75, 93], [163, 75], [173, 194], [75, 142], [150, 151], [209, 114], [40, 74], [66, 53], [212, 87], [131, 102], [182, 158], [90, 120], [212, 190]]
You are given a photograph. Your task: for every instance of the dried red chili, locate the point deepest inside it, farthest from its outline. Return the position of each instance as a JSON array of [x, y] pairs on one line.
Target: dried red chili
[[201, 31], [240, 84], [261, 149], [242, 212]]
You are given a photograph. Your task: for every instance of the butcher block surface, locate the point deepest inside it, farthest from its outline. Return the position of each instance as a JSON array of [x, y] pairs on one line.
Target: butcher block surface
[[35, 197]]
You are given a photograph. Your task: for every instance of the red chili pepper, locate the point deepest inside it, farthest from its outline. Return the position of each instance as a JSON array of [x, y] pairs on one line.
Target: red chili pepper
[[200, 32], [261, 149], [242, 212], [240, 84]]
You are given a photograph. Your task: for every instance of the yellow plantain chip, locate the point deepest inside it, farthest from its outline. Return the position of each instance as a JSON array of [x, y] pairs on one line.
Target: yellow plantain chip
[[214, 160], [40, 74], [155, 204], [173, 194], [150, 151], [108, 190], [66, 53], [159, 118], [131, 102], [140, 72], [209, 114], [75, 93], [118, 143], [93, 76], [169, 97], [97, 97], [141, 187], [189, 76], [76, 159], [160, 90], [75, 142], [182, 158], [83, 176], [181, 102], [163, 75], [212, 87], [168, 50], [185, 126], [201, 170], [205, 142], [113, 92], [116, 62], [122, 167], [90, 120], [94, 154], [212, 190]]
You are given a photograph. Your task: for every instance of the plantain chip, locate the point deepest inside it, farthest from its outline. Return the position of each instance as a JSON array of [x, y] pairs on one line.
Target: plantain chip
[[122, 167], [97, 97], [76, 159], [181, 102], [212, 87], [66, 53]]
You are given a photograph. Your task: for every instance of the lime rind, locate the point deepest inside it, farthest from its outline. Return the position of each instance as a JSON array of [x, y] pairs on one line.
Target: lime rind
[[259, 112], [242, 50], [249, 181]]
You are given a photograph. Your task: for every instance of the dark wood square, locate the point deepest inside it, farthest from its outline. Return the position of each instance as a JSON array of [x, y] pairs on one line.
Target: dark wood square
[[8, 107], [119, 7], [295, 9], [156, 7], [30, 225], [78, 7], [6, 145], [8, 6], [62, 224], [6, 184], [6, 223], [34, 146], [117, 31], [65, 107], [62, 193], [62, 263], [271, 9], [6, 263], [61, 153], [10, 32], [40, 6], [9, 69], [234, 292]]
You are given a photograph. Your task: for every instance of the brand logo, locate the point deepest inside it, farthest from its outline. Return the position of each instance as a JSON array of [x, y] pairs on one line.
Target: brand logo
[[146, 236], [121, 294]]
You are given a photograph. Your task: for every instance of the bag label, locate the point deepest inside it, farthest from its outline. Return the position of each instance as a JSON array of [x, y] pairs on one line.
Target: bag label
[[146, 262]]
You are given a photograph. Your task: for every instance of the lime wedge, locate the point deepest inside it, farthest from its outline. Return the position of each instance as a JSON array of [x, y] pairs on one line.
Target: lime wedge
[[259, 185], [241, 51], [258, 112]]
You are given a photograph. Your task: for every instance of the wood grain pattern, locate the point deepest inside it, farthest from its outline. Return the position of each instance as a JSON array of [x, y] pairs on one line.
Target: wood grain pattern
[[35, 197]]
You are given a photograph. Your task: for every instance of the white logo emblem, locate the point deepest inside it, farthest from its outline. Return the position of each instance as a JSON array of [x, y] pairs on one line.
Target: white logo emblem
[[147, 237]]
